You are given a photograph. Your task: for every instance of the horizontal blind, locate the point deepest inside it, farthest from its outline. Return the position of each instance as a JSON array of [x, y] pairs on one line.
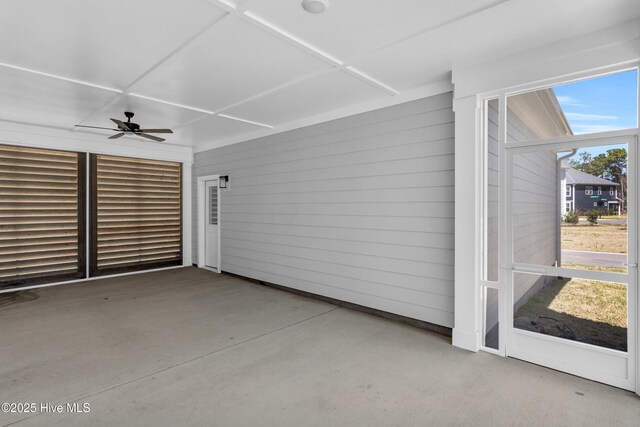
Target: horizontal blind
[[137, 214], [41, 215], [213, 205]]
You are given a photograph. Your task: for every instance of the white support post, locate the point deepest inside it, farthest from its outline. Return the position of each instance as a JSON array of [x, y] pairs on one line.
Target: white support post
[[468, 209], [186, 213]]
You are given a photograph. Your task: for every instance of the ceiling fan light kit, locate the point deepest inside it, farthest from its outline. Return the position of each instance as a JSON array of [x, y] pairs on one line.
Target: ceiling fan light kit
[[315, 6], [132, 128]]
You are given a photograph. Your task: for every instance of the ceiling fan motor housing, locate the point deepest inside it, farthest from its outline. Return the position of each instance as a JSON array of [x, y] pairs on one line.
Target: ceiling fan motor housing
[[132, 126]]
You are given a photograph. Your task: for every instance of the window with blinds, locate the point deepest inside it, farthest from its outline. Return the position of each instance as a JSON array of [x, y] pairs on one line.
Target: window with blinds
[[42, 216], [136, 214]]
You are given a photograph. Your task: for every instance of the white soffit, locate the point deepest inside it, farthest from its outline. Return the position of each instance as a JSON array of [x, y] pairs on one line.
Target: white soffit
[[106, 42], [308, 98], [34, 99], [231, 62], [578, 57], [214, 125], [255, 60], [350, 28], [504, 29]]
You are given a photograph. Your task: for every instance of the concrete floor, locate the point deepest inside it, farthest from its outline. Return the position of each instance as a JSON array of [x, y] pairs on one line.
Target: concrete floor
[[189, 347]]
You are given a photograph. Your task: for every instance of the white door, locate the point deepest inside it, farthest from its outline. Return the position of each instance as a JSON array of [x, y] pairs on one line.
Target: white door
[[212, 225], [571, 289]]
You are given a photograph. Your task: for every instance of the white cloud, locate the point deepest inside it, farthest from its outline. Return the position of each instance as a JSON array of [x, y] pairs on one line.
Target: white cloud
[[585, 117], [569, 101]]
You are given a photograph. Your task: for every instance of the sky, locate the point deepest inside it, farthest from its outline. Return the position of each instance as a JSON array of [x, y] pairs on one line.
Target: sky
[[600, 104]]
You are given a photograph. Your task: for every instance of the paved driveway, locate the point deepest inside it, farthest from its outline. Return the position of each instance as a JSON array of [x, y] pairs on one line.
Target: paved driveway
[[608, 221], [602, 259]]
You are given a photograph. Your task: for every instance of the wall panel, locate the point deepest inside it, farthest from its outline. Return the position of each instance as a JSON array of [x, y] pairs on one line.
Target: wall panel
[[358, 209]]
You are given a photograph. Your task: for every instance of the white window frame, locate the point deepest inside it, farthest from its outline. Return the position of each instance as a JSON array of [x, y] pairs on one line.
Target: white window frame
[[588, 190], [567, 191], [599, 191]]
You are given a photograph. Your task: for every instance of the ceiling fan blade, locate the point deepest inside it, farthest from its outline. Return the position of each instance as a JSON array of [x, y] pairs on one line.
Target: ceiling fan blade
[[155, 138], [122, 125], [94, 127], [156, 130], [116, 136]]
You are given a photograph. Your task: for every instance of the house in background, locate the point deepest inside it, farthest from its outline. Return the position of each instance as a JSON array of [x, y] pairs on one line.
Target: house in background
[[583, 192]]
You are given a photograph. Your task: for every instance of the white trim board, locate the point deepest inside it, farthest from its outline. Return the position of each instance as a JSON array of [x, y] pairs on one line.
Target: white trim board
[[468, 167], [187, 219], [561, 61], [86, 279]]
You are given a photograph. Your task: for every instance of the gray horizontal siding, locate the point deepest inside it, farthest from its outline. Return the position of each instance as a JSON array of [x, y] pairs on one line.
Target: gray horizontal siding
[[493, 200], [358, 209]]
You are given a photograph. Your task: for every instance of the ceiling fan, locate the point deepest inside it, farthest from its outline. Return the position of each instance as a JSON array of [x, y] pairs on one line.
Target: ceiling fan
[[132, 128]]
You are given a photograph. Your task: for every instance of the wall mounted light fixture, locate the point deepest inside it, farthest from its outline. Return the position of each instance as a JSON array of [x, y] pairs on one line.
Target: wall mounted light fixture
[[222, 181]]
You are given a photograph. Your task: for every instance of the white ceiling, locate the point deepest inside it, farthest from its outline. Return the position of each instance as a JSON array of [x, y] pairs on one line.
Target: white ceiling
[[197, 66]]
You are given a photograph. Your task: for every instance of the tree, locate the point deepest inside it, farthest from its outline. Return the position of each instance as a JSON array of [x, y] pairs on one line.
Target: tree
[[611, 165], [584, 159]]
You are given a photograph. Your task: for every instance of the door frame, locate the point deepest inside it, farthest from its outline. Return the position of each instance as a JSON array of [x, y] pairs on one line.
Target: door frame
[[585, 360], [202, 232], [470, 107]]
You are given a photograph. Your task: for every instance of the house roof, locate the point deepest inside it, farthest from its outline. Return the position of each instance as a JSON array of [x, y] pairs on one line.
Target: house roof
[[540, 113], [575, 176]]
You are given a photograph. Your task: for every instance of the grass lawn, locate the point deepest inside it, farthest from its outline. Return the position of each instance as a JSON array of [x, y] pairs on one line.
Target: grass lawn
[[595, 238], [589, 311]]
